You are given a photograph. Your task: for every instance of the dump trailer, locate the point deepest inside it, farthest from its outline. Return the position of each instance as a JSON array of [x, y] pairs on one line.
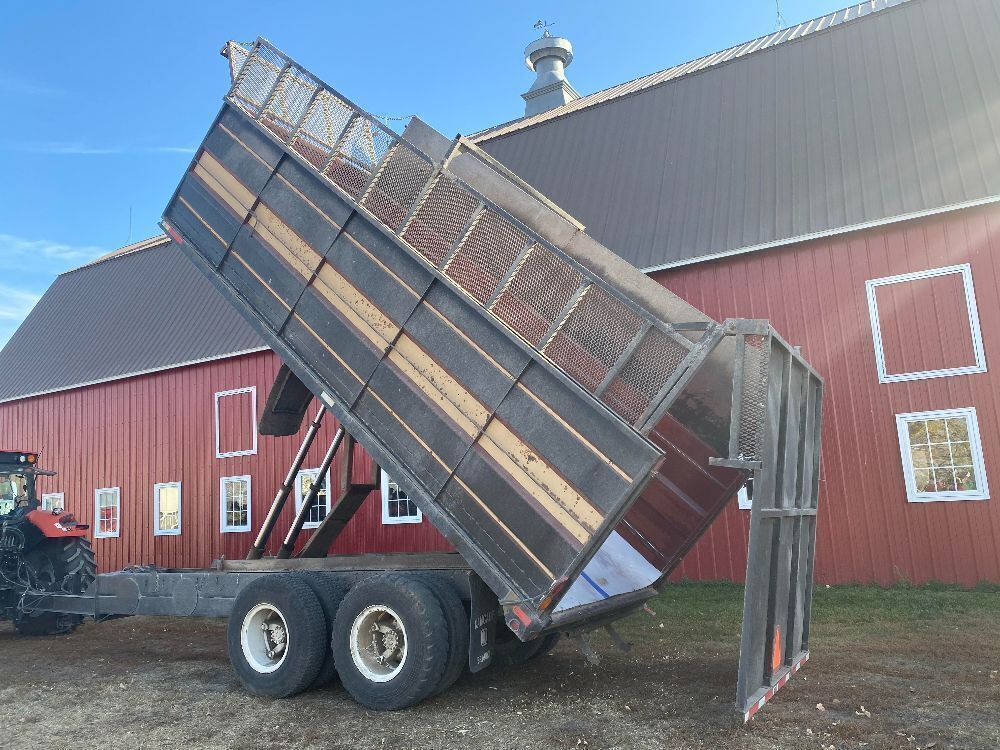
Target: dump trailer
[[570, 426]]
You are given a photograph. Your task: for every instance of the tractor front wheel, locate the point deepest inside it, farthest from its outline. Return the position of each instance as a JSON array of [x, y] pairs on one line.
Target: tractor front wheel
[[64, 566]]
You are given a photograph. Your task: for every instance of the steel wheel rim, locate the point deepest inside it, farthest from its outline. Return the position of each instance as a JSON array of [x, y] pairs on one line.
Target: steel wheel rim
[[264, 638], [378, 643]]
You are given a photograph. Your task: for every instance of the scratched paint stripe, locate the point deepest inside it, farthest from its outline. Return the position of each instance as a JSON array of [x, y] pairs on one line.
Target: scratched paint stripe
[[281, 177], [496, 519], [555, 493]]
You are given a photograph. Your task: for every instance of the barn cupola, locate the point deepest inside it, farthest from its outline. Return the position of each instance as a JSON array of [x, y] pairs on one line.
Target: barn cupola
[[548, 58]]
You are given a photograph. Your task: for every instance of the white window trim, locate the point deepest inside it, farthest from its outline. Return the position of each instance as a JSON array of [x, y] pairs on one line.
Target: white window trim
[[223, 527], [157, 531], [252, 390], [975, 445], [300, 497], [970, 303], [390, 520], [62, 500], [98, 534], [743, 499]]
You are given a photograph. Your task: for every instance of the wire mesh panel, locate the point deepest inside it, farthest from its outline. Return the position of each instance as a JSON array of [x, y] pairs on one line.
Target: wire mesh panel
[[645, 374], [486, 255], [537, 293], [593, 337], [442, 217], [526, 282], [756, 354], [257, 78], [397, 186], [324, 124]]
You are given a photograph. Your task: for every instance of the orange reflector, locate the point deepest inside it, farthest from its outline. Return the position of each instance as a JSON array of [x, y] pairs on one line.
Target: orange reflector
[[32, 458], [776, 650]]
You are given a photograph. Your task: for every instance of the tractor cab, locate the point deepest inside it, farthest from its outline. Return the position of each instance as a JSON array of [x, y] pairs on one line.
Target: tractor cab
[[18, 470]]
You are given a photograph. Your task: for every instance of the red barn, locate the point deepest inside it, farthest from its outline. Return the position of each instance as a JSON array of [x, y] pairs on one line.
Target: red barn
[[840, 177]]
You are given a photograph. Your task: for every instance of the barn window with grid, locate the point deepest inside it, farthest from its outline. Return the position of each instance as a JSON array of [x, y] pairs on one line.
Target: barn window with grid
[[107, 512], [167, 509], [942, 455], [235, 498], [303, 484], [397, 507]]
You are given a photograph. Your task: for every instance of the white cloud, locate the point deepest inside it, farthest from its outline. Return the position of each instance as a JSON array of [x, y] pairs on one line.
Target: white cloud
[[15, 304], [17, 248], [59, 148]]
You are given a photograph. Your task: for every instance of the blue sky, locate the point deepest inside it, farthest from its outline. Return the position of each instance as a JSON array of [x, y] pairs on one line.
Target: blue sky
[[104, 103]]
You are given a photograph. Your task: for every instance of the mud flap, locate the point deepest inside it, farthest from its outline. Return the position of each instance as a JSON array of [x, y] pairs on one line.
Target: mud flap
[[777, 415]]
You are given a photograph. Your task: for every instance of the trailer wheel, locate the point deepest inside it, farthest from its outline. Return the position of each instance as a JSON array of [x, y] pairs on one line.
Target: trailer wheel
[[277, 636], [512, 652], [457, 620], [63, 565], [330, 591], [390, 642]]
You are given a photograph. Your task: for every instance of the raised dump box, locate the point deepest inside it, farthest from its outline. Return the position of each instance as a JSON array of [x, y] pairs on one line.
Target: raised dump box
[[569, 425]]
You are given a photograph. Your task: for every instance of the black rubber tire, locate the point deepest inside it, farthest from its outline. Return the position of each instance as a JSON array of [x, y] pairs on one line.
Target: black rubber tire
[[512, 652], [71, 567], [547, 645], [302, 612], [457, 620], [330, 591], [426, 629]]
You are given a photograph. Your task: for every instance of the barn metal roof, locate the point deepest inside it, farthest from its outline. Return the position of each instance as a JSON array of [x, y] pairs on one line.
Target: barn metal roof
[[140, 309], [879, 112], [882, 111]]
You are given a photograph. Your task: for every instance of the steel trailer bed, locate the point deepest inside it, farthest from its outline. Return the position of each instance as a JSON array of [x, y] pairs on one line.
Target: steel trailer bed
[[570, 426]]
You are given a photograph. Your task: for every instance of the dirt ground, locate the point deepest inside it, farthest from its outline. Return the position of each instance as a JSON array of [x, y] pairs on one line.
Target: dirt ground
[[897, 668]]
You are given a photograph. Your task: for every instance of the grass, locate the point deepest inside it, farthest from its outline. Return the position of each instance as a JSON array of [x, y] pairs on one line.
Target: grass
[[714, 610]]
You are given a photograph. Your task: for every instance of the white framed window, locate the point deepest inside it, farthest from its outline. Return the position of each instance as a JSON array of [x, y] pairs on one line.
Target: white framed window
[[743, 498], [972, 336], [167, 509], [107, 512], [236, 422], [942, 455], [53, 501], [303, 483], [234, 498], [397, 507]]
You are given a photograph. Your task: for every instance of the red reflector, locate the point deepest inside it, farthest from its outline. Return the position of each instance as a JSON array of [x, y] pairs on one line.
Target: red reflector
[[521, 616], [173, 234]]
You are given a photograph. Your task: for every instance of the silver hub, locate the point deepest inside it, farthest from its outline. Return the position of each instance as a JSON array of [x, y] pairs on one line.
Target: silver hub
[[378, 643], [264, 638]]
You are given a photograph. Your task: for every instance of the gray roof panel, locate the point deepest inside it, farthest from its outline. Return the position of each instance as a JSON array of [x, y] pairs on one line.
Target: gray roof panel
[[884, 114], [132, 312]]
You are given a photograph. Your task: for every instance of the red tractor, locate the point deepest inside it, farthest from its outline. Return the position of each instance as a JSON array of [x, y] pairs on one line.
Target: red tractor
[[41, 550]]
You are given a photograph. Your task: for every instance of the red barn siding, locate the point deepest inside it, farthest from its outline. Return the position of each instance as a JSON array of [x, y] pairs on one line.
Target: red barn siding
[[814, 294], [156, 428], [136, 432]]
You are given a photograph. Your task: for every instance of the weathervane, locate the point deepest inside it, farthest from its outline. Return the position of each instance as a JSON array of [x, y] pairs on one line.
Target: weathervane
[[544, 26]]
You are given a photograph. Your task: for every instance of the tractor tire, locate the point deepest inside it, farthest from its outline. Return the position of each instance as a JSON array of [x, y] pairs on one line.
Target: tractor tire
[[277, 636], [59, 565], [457, 620], [330, 591], [390, 642]]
